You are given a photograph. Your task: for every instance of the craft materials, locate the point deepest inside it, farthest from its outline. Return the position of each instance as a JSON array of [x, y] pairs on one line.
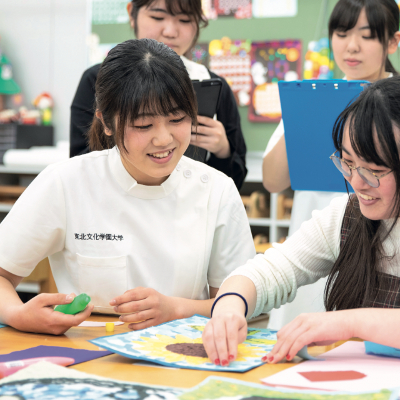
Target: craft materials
[[271, 62], [79, 355], [179, 344], [2, 326], [381, 350], [78, 304], [32, 383], [10, 367], [346, 368], [110, 327], [224, 388]]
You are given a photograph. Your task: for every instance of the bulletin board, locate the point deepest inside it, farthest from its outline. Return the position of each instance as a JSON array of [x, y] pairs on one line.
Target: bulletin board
[[301, 26]]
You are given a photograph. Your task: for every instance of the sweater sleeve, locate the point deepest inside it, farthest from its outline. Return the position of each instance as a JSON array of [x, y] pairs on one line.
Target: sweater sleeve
[[305, 257], [82, 112], [228, 114]]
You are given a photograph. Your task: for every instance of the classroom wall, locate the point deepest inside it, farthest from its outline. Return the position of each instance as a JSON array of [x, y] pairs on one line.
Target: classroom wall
[[46, 42], [303, 26]]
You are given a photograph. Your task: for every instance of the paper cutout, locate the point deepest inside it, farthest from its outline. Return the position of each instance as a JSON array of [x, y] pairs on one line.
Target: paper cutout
[[271, 62], [179, 344], [325, 376], [319, 62], [97, 323], [3, 326], [109, 12], [381, 350], [303, 353], [274, 8], [232, 8], [381, 372], [199, 54], [49, 381], [231, 60], [231, 389], [79, 355]]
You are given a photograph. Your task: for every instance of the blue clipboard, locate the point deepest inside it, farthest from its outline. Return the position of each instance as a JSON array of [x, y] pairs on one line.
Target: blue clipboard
[[309, 111]]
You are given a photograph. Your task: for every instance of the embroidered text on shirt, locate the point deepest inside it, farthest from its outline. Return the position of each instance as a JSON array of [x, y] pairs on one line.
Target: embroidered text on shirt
[[98, 236]]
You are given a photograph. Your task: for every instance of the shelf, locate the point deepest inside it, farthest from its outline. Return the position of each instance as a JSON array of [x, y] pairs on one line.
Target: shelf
[[4, 207], [20, 170], [260, 221]]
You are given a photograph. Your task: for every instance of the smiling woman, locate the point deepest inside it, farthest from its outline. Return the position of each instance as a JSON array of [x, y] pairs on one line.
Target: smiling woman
[[143, 230], [354, 241], [218, 142]]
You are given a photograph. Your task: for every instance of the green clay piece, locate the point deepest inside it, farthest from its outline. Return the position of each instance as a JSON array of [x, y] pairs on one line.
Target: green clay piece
[[78, 304]]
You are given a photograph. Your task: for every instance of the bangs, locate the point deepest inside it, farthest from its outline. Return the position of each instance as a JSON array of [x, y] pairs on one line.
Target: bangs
[[175, 7], [161, 92], [370, 130], [346, 13]]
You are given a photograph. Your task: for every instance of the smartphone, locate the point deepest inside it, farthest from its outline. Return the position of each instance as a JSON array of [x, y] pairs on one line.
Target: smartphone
[[208, 93]]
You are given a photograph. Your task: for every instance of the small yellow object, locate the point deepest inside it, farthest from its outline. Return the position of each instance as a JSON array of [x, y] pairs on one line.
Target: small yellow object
[[109, 326]]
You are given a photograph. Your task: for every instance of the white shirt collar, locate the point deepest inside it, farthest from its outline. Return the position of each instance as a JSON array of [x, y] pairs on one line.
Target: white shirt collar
[[195, 71], [130, 185]]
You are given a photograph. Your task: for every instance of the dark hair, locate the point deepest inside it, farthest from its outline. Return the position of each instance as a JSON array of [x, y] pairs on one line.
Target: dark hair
[[354, 278], [139, 76], [191, 8], [383, 20]]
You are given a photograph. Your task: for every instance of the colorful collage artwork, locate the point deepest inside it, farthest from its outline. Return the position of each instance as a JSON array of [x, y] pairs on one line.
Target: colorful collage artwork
[[271, 62], [231, 389], [179, 344], [52, 382], [231, 60]]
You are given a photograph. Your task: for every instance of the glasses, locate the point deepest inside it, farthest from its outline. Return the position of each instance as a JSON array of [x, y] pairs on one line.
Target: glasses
[[366, 174]]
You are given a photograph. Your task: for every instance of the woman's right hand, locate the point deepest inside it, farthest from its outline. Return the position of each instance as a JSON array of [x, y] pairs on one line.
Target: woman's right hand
[[37, 315], [222, 334]]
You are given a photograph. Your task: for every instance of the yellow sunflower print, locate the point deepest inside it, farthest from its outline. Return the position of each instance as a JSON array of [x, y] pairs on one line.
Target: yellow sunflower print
[[157, 347]]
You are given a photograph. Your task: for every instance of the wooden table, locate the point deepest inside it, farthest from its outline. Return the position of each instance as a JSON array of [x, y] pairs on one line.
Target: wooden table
[[122, 368]]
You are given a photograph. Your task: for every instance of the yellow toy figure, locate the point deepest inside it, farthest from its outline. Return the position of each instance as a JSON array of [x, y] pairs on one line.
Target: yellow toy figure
[[44, 102]]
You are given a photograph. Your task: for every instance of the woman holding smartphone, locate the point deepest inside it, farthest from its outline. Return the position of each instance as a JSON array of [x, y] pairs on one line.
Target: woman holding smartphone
[[177, 24]]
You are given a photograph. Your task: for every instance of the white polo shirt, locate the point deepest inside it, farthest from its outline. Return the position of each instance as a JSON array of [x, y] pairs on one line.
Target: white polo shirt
[[104, 233]]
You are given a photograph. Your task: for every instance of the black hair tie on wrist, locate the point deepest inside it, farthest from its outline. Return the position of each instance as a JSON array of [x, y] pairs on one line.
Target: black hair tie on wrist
[[231, 294]]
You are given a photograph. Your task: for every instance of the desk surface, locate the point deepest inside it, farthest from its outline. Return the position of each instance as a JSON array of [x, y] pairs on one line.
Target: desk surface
[[118, 367]]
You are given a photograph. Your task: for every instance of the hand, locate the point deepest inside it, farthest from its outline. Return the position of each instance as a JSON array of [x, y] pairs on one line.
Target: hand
[[37, 315], [221, 336], [145, 307], [211, 136], [314, 329]]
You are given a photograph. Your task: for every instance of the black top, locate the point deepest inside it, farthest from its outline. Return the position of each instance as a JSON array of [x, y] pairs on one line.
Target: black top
[[82, 112]]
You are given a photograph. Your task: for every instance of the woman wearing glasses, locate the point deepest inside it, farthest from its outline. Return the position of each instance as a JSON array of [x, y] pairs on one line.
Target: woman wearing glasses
[[362, 34], [354, 241]]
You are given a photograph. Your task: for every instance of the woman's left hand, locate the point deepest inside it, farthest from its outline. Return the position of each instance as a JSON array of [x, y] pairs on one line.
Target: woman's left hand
[[145, 307], [314, 329], [211, 136]]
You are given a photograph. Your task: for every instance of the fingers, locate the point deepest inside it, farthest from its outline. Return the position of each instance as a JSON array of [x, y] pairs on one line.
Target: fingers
[[207, 121], [136, 294], [208, 342], [221, 338], [138, 317], [53, 299]]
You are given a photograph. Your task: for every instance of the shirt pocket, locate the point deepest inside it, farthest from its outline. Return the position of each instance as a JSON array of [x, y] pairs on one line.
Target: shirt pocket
[[102, 278]]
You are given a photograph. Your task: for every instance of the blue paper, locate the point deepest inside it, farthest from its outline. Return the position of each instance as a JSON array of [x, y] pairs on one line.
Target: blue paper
[[159, 344], [303, 353], [3, 326], [376, 349]]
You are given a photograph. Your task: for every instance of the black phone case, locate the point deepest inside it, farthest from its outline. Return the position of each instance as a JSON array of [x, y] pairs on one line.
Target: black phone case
[[207, 92]]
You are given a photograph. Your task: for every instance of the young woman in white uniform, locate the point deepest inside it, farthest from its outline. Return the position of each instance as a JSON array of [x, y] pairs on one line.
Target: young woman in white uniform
[[355, 241], [176, 23], [140, 228], [362, 33]]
